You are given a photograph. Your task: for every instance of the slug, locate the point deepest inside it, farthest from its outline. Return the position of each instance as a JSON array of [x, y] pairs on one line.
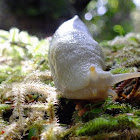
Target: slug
[[77, 64]]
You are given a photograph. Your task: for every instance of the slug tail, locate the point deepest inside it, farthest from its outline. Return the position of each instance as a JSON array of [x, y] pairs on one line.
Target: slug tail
[[121, 77]]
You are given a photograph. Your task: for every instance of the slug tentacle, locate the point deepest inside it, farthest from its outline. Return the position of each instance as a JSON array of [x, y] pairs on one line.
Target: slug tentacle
[[93, 74], [121, 77]]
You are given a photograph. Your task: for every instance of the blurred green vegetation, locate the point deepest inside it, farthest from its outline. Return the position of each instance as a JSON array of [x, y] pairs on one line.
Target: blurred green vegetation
[[109, 18], [105, 18]]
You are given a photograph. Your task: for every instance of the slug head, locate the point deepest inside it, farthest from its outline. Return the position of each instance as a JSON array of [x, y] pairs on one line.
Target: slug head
[[101, 82]]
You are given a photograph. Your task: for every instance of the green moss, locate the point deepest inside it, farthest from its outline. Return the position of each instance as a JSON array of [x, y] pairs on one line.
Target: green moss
[[4, 108], [97, 125], [108, 124]]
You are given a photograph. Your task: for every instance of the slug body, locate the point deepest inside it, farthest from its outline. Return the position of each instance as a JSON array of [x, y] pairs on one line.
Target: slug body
[[77, 64]]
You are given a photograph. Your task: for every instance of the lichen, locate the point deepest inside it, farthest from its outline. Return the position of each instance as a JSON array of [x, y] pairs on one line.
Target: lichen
[[123, 53]]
